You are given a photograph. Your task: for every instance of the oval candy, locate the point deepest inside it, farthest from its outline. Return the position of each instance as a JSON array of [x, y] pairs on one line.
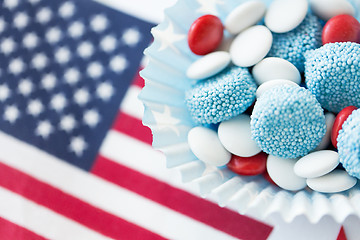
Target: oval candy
[[316, 164], [339, 121], [273, 83], [341, 28], [249, 166], [205, 145], [329, 121], [208, 65], [336, 181], [326, 9]]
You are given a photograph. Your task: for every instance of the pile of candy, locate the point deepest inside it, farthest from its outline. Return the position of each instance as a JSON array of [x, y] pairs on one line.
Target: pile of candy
[[271, 102]]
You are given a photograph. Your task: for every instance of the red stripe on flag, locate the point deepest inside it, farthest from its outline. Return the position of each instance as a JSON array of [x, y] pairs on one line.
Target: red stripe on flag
[[71, 207], [133, 127], [10, 231], [185, 203], [138, 81]]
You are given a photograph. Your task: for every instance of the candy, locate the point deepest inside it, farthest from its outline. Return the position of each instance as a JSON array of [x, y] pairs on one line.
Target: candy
[[341, 28], [270, 84], [336, 181], [205, 34], [235, 135], [326, 9], [329, 121], [248, 165], [287, 121], [205, 145], [339, 121], [251, 46]]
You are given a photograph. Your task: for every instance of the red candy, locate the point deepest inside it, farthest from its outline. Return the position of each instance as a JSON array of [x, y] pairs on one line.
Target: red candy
[[341, 28], [248, 165], [268, 178], [339, 120], [205, 34]]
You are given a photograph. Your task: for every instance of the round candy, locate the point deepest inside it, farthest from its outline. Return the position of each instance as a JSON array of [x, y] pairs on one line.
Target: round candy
[[332, 74], [316, 164], [326, 9], [336, 181], [339, 121], [244, 16], [235, 135], [341, 28], [329, 121], [208, 65], [205, 34], [284, 15], [251, 46], [270, 84], [205, 145], [281, 171], [248, 165], [275, 68], [221, 97], [287, 121]]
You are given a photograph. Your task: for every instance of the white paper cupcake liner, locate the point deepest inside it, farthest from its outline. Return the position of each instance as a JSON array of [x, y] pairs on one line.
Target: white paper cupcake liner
[[168, 118]]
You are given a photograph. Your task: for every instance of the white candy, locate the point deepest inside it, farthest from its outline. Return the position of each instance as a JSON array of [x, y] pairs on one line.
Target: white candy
[[285, 15], [316, 164], [244, 16], [329, 121], [326, 9], [208, 65], [251, 46], [336, 181], [206, 146], [281, 171], [275, 68], [235, 135], [273, 83]]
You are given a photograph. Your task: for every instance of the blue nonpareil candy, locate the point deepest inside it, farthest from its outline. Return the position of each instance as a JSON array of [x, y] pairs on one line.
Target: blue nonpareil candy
[[221, 97], [287, 121], [332, 74]]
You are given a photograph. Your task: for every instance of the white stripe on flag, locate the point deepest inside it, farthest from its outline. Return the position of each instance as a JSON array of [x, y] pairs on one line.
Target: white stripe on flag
[[131, 104]]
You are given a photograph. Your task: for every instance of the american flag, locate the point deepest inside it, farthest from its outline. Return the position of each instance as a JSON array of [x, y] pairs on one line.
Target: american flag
[[76, 161]]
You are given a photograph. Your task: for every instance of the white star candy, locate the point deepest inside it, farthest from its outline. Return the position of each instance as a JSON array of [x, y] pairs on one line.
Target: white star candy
[[85, 49], [99, 23], [78, 145], [131, 37], [35, 107], [11, 113], [44, 15], [95, 70], [44, 129], [25, 87], [16, 66], [105, 91], [48, 81], [166, 120], [167, 37], [81, 96], [76, 29], [4, 92], [72, 76], [118, 63], [39, 61], [67, 10], [30, 40], [91, 118], [21, 20], [2, 25], [108, 43], [62, 55], [58, 102], [209, 6], [67, 123], [7, 45], [53, 35], [11, 4]]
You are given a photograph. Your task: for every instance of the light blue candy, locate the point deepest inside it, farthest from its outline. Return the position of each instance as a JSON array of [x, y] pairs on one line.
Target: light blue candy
[[287, 121]]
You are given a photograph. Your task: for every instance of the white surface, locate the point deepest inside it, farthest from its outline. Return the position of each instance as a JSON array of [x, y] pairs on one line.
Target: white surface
[[316, 164], [244, 16], [326, 9], [329, 121], [235, 135], [273, 83], [281, 171], [285, 15], [271, 68], [251, 46], [336, 181], [208, 65]]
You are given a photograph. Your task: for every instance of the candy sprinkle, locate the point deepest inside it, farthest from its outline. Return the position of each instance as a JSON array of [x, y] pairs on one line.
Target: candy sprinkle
[[221, 97], [287, 121]]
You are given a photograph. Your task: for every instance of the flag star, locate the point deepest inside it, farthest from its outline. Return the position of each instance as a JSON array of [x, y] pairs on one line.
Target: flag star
[[44, 129], [53, 35], [62, 55], [85, 49], [67, 123], [166, 120], [72, 76], [11, 4], [35, 107], [81, 96], [16, 66], [105, 91], [99, 23], [76, 29], [91, 118], [21, 20], [30, 40], [118, 63], [7, 45], [131, 37], [67, 10], [48, 81], [4, 92], [78, 145], [2, 25], [39, 61], [168, 37], [108, 43], [44, 15], [34, 1], [95, 70], [11, 113], [209, 6], [25, 87], [58, 102]]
